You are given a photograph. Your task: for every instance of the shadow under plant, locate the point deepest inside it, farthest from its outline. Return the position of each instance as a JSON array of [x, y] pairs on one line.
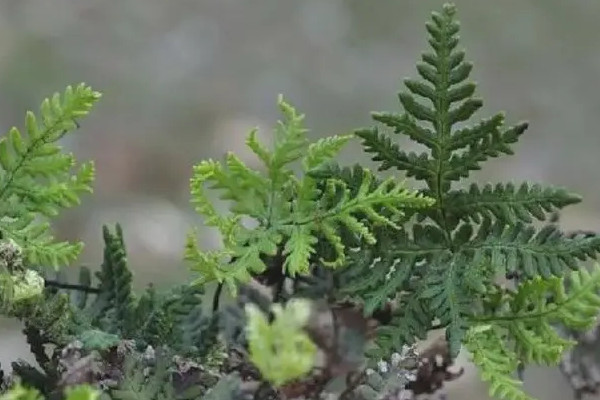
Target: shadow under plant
[[333, 282]]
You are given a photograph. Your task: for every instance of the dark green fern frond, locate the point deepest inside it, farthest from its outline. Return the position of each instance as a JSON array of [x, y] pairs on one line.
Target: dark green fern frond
[[410, 323], [228, 388], [457, 248], [115, 301], [446, 99], [36, 178], [139, 384], [448, 299], [507, 202]]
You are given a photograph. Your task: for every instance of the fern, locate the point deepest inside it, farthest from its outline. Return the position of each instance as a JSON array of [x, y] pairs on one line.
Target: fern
[[291, 213], [302, 226], [36, 181], [106, 318], [465, 230], [524, 332]]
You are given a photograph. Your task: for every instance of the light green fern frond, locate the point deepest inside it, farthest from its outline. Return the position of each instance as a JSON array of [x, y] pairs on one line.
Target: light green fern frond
[[322, 212], [282, 350], [291, 212], [79, 392], [524, 332], [496, 363], [36, 178], [506, 202], [540, 303]]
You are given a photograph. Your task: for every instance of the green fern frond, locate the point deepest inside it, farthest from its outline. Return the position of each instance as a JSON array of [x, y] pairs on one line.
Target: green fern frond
[[540, 303], [340, 208], [140, 384], [448, 100], [520, 248], [228, 388], [508, 203], [79, 392], [36, 179], [114, 305], [496, 363], [448, 299], [292, 213], [458, 247], [410, 323], [524, 332], [282, 350]]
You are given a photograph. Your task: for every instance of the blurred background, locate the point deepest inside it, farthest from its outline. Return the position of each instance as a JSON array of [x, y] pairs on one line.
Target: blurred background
[[186, 80]]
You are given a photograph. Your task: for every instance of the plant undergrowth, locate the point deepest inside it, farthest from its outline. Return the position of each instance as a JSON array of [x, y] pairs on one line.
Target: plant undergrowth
[[336, 272]]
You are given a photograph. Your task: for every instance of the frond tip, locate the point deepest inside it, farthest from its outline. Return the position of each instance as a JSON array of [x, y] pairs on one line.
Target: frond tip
[[36, 178]]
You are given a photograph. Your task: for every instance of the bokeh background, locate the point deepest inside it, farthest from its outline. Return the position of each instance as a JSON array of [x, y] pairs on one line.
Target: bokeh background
[[186, 80]]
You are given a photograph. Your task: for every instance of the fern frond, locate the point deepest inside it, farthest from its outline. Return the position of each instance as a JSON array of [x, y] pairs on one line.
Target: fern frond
[[340, 207], [448, 299], [508, 203], [292, 213], [377, 273], [495, 361], [520, 248], [228, 388], [448, 100], [460, 245], [114, 305], [36, 178], [525, 333], [411, 323], [540, 303]]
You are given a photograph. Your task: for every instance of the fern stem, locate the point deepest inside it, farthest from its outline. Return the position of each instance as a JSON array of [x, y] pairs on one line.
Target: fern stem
[[70, 286], [217, 297]]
